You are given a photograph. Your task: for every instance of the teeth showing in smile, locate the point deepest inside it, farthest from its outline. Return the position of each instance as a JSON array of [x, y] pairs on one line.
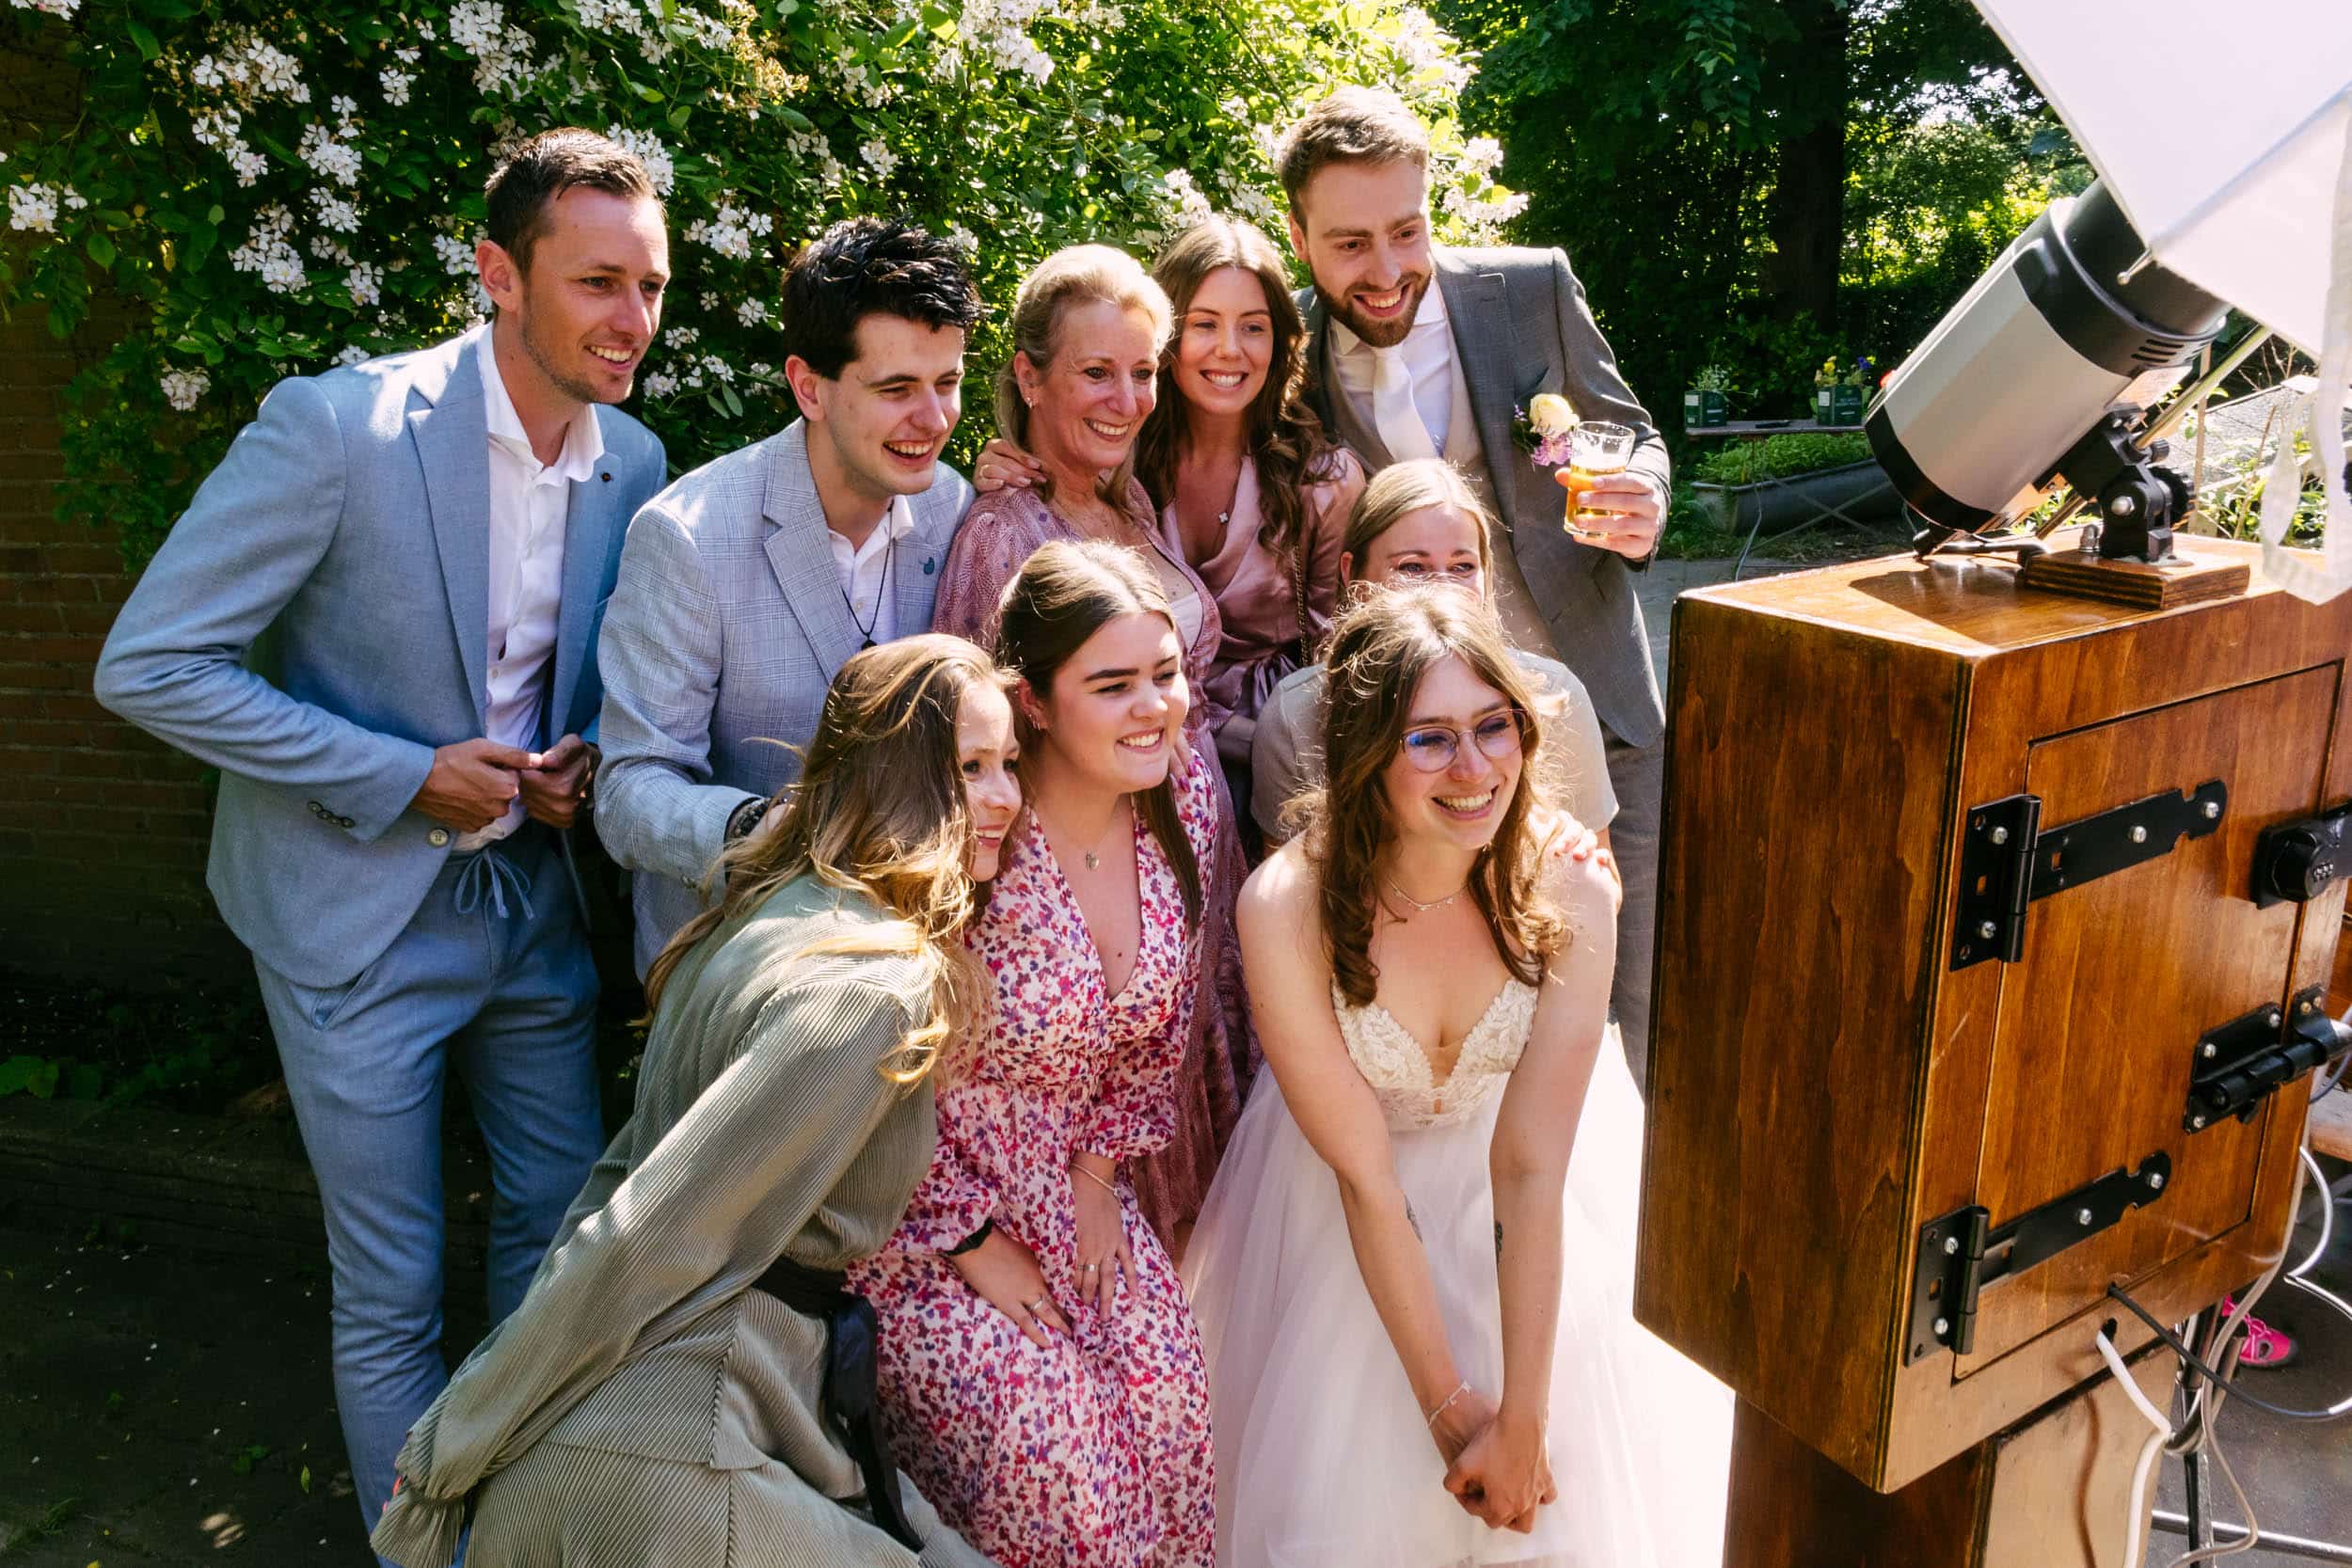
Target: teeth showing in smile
[[1227, 379], [1142, 742], [1389, 301], [1109, 432], [1465, 802], [611, 356], [904, 449]]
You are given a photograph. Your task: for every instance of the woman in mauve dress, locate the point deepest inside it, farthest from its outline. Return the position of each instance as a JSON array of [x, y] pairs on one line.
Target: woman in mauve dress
[[1041, 1379], [1089, 328]]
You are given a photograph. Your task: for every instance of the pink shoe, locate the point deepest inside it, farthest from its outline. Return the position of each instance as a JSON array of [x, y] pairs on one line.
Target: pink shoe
[[2266, 1347]]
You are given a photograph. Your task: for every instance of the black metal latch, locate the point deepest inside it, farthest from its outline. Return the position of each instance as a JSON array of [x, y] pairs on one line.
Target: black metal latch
[[1961, 1253], [2007, 859], [2239, 1062], [2299, 862]]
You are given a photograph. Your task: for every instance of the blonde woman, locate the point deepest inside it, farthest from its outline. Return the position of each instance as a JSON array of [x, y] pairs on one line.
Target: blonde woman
[[1089, 329], [1039, 1371], [687, 1381], [1420, 523]]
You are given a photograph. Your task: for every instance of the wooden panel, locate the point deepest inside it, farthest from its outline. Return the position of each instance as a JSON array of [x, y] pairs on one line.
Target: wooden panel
[[2183, 580], [1795, 1001], [2063, 1483], [2092, 1060]]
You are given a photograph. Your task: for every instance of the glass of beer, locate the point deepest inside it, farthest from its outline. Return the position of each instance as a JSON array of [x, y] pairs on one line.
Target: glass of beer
[[1595, 447]]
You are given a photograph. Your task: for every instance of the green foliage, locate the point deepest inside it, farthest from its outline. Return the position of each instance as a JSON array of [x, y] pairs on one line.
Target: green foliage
[[1777, 457], [196, 1048], [276, 189]]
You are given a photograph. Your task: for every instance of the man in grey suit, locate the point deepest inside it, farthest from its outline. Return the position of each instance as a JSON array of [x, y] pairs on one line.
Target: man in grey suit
[[749, 582], [433, 536], [1399, 369]]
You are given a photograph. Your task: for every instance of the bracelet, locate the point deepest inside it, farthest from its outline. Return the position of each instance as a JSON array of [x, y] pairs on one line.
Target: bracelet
[[1081, 1170], [1446, 1403], [988, 1228], [743, 818]]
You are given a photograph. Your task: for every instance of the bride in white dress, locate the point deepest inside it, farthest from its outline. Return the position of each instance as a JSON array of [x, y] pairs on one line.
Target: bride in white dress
[[1414, 1274]]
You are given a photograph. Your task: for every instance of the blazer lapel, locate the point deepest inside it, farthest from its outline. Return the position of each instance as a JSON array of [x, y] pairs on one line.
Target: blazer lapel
[[589, 519], [1479, 312], [913, 577], [801, 555], [452, 437]]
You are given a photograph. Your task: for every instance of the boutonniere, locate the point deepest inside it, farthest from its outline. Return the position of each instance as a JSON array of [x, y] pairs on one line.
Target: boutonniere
[[1541, 429]]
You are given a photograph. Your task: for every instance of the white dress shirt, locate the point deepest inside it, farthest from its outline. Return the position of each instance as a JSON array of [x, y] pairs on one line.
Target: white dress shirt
[[529, 503], [865, 572], [1428, 350]]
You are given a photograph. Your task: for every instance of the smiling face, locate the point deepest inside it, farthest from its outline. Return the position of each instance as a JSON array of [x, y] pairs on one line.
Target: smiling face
[[1115, 714], [1462, 803], [988, 754], [586, 309], [1435, 544], [1363, 230], [877, 429], [1088, 404], [1225, 342]]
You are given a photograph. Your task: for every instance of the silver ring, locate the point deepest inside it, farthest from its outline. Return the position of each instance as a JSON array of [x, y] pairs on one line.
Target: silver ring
[[1031, 1306]]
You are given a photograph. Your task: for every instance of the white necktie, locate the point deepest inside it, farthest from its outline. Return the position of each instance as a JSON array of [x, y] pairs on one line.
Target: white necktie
[[1393, 413]]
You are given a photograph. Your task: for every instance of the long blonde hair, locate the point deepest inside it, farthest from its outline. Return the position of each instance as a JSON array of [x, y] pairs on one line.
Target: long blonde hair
[[879, 810], [1379, 652], [1077, 275], [1401, 489]]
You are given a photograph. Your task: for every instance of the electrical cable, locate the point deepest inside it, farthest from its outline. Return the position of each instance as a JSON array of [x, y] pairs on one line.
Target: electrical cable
[[2147, 1451], [2253, 1526], [2331, 1413], [2326, 1215]]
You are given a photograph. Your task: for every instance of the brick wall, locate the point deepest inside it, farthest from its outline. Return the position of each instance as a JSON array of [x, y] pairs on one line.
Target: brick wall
[[103, 830]]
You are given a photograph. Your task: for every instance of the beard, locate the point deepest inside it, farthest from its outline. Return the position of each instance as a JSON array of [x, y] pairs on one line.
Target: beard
[[1382, 334], [543, 349]]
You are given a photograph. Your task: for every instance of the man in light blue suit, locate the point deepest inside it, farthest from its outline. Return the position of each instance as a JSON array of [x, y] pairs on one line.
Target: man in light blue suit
[[749, 582], [433, 535]]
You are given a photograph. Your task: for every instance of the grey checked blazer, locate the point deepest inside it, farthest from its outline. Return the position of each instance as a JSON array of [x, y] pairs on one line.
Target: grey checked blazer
[[353, 514], [763, 1129], [726, 627], [1521, 326]]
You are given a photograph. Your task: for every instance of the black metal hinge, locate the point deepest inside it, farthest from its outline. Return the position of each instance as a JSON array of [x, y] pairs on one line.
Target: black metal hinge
[[2007, 860], [1961, 1253]]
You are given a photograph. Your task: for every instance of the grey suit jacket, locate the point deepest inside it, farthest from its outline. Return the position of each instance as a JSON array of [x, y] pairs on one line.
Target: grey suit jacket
[[1521, 326], [353, 513], [726, 629]]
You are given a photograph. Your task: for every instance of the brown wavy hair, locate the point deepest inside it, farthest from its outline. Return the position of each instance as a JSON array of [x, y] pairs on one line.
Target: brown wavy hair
[[1064, 593], [879, 810], [1379, 652], [1286, 440], [1075, 275]]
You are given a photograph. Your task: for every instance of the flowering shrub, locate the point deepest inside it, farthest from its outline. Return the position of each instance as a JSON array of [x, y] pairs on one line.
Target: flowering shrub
[[273, 189]]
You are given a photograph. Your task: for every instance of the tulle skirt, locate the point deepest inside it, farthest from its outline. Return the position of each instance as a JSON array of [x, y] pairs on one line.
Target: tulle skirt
[[1323, 1456]]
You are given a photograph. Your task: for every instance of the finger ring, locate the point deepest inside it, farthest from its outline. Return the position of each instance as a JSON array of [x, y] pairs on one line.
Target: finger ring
[[1031, 1306], [1093, 1268]]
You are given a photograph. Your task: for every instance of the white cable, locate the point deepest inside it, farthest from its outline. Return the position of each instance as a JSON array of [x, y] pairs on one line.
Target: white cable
[[2240, 1313], [2134, 1548], [2326, 1212], [2212, 1441]]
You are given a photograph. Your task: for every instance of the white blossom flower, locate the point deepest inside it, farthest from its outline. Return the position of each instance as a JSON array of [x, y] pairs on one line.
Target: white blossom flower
[[335, 213], [74, 200], [33, 207], [649, 152], [342, 108], [395, 87], [683, 337], [963, 239], [354, 354], [660, 384], [1191, 205], [207, 74], [268, 252], [732, 228], [1482, 155], [327, 247], [337, 160], [366, 282], [63, 9], [878, 157], [182, 389], [410, 56], [709, 302], [751, 312], [456, 255], [717, 368], [247, 163]]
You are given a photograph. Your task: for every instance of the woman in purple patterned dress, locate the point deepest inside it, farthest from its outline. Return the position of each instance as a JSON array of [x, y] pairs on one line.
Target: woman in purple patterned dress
[[1042, 1380], [1089, 329]]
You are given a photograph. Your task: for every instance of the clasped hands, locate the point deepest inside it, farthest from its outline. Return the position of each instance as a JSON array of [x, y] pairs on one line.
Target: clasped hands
[[1005, 1272], [1497, 1465], [473, 782]]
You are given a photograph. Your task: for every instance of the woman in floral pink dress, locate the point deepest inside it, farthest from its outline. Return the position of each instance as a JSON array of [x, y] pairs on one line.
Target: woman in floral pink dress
[[1089, 329], [1042, 1380]]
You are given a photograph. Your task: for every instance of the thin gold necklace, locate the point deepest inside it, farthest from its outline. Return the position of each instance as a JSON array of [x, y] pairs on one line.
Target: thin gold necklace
[[1434, 903]]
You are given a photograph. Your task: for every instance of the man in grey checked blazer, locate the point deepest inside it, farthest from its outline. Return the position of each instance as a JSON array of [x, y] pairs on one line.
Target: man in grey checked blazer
[[745, 585], [1417, 350], [432, 535]]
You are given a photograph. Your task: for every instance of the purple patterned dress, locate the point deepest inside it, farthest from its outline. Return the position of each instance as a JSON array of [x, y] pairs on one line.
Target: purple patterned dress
[[1093, 1451]]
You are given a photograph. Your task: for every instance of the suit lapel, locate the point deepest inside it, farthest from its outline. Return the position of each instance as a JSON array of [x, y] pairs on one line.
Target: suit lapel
[[1479, 312], [913, 577], [589, 519], [801, 555], [452, 437]]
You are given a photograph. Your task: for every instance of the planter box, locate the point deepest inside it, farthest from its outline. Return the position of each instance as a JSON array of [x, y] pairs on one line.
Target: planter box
[[1861, 490]]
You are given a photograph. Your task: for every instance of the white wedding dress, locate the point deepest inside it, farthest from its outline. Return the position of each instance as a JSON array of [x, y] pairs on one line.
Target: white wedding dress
[[1323, 1457]]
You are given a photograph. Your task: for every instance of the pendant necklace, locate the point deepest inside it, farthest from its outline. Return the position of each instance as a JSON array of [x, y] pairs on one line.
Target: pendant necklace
[[866, 627], [1433, 904], [1093, 858]]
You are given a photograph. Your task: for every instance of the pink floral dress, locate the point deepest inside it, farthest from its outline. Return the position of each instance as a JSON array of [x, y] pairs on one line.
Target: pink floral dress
[[996, 537], [1093, 1451]]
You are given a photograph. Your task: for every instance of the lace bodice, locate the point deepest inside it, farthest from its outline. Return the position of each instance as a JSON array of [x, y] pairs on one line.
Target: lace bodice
[[1396, 1067]]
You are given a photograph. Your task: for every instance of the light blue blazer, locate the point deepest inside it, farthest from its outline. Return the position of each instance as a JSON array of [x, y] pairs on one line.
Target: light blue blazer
[[353, 514]]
